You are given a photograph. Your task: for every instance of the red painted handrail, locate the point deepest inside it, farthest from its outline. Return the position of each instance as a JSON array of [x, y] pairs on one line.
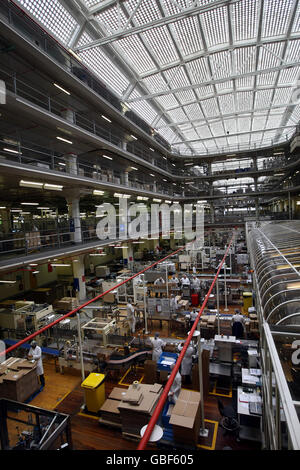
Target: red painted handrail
[[33, 335], [167, 387]]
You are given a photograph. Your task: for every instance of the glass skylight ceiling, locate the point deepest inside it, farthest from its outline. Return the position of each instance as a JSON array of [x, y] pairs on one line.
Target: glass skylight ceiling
[[221, 78]]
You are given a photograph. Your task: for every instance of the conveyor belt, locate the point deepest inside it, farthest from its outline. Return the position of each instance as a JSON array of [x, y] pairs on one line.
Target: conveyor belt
[[129, 358]]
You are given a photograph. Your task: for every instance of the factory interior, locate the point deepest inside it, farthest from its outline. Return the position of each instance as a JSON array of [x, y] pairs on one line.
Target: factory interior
[[150, 311]]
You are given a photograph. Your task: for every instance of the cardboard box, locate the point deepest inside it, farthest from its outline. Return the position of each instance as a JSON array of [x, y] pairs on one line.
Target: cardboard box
[[185, 417], [163, 376], [150, 372], [109, 411], [117, 393]]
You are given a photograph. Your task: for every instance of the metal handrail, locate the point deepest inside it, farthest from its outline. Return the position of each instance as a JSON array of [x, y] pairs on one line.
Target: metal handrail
[[167, 387]]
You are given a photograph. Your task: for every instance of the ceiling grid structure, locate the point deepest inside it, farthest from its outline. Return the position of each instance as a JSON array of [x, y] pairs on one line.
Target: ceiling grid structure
[[211, 76]]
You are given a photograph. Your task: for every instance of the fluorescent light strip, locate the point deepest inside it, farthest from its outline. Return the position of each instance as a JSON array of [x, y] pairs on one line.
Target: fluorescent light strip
[[106, 118], [60, 265], [96, 192], [151, 174], [64, 140], [10, 150], [61, 88], [133, 136], [7, 282], [29, 203], [107, 157], [156, 200], [30, 184], [152, 150], [53, 187], [133, 168], [2, 207]]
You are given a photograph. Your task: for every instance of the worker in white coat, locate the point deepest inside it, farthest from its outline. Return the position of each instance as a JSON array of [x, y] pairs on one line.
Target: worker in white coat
[[35, 353], [157, 345], [187, 362], [185, 281], [131, 316], [159, 282], [193, 316], [173, 304], [175, 387]]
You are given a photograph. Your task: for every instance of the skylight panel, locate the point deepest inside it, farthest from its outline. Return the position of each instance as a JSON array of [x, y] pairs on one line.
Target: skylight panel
[[244, 60], [221, 142], [269, 56], [185, 97], [230, 126], [220, 64], [193, 111], [244, 20], [233, 141], [227, 103], [263, 99], [217, 129], [244, 124], [105, 69], [273, 121], [187, 34], [176, 77], [167, 101], [199, 148], [296, 114], [276, 17], [85, 38], [155, 83], [168, 134], [265, 79], [244, 100], [289, 76], [91, 3], [160, 42], [293, 51], [210, 107], [215, 26], [133, 50], [112, 19], [204, 131], [224, 86], [53, 16], [191, 135], [205, 91], [198, 70], [257, 137], [177, 115], [282, 96], [258, 123], [147, 12], [244, 138], [246, 82], [296, 25], [143, 108]]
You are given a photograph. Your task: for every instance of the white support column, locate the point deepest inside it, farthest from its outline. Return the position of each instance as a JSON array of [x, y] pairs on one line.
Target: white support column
[[73, 200], [79, 273]]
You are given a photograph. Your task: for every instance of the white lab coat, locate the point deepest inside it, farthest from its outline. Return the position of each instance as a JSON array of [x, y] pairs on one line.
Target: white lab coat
[[187, 361], [37, 356], [159, 282], [173, 304], [193, 316], [194, 270], [174, 280], [157, 345], [185, 281], [175, 388], [131, 317]]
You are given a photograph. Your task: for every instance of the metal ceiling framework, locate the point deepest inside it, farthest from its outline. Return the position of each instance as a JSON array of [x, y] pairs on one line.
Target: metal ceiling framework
[[206, 74]]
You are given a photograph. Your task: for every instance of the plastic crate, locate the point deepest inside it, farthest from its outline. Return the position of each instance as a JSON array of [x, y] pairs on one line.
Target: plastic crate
[[162, 357]]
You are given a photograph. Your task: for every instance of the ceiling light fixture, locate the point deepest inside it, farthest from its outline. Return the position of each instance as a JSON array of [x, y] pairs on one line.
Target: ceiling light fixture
[[61, 88], [65, 140]]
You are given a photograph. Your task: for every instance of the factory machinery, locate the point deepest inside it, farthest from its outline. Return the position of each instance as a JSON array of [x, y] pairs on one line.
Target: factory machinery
[[275, 258], [37, 429]]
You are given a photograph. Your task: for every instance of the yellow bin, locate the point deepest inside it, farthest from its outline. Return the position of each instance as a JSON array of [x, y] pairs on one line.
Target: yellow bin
[[247, 298], [94, 389]]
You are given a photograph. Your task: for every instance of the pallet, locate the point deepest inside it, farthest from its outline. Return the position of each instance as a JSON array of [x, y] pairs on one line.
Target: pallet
[[110, 423], [131, 437]]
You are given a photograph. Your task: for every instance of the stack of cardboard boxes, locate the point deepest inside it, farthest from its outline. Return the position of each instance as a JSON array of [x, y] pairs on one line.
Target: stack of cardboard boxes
[[66, 304], [185, 418], [18, 379], [253, 324], [137, 407]]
